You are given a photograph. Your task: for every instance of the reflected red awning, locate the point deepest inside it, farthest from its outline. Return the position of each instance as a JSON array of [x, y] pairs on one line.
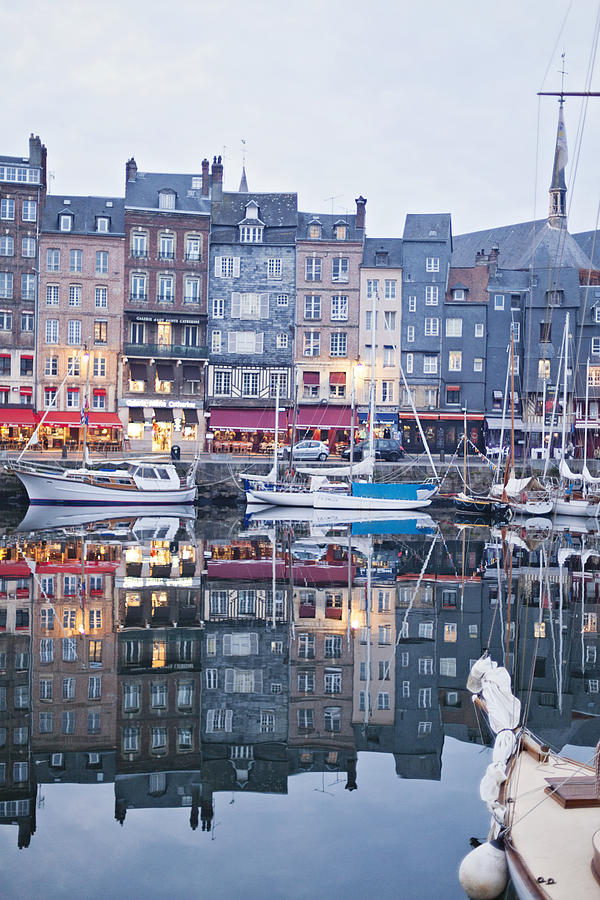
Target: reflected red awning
[[73, 419], [247, 419], [310, 378], [337, 378], [23, 416], [324, 416]]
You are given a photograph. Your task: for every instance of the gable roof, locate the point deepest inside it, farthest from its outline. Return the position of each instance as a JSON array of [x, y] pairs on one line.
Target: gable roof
[[391, 246], [328, 223], [521, 245], [428, 227], [84, 210], [142, 193]]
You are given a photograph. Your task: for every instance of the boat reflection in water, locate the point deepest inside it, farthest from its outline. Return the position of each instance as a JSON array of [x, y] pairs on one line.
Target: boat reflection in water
[[144, 651]]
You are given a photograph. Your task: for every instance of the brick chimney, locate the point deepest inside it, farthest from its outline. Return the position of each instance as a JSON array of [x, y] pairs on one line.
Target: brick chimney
[[493, 259], [481, 258], [217, 179], [35, 150], [205, 178], [130, 170], [360, 211]]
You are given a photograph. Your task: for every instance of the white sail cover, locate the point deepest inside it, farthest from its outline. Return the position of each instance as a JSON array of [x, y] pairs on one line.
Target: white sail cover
[[269, 478], [588, 477], [365, 467], [492, 683], [516, 486], [565, 472]]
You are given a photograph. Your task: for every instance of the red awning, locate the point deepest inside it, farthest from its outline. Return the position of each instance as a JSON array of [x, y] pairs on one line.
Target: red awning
[[429, 417], [310, 377], [73, 419], [99, 392], [324, 416], [246, 419], [22, 416], [4, 355], [453, 387], [14, 570], [26, 390], [337, 378], [471, 417]]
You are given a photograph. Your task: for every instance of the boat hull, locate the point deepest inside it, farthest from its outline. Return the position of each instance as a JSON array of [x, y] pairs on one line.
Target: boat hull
[[578, 508], [49, 489], [325, 500]]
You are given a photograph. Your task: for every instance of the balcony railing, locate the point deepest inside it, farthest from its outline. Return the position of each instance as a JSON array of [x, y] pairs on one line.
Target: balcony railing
[[135, 298], [169, 351], [139, 254], [166, 256]]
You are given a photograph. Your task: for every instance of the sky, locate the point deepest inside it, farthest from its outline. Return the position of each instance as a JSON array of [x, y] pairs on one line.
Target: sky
[[420, 107]]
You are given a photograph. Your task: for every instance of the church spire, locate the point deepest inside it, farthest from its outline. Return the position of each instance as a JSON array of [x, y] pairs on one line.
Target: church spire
[[243, 188], [558, 187]]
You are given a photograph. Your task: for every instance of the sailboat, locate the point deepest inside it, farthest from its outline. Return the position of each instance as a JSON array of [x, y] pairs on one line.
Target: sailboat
[[477, 504]]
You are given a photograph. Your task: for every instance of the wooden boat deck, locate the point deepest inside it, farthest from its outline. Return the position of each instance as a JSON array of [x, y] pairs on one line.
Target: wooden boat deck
[[550, 840]]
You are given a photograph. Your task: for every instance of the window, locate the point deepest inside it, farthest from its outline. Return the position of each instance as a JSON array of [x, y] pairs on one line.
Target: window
[[46, 724], [424, 699], [7, 209], [93, 723], [251, 234], [516, 330], [69, 649], [47, 619], [332, 716], [432, 293], [454, 328], [305, 719], [372, 288], [95, 654], [333, 681], [306, 682], [389, 355], [369, 320], [554, 298], [94, 615], [250, 384], [339, 308], [282, 341], [590, 623], [426, 630], [158, 695], [227, 266], [102, 224], [6, 285], [455, 360], [99, 367], [219, 720], [75, 260], [7, 245], [216, 345], [539, 629], [138, 287], [432, 327], [191, 290], [218, 309], [166, 246], [47, 650], [306, 646], [430, 365], [73, 332], [193, 247], [312, 343], [596, 346], [448, 666], [390, 288], [185, 694], [312, 307], [131, 738], [212, 679], [412, 304], [312, 270], [28, 247], [409, 362], [432, 264], [66, 222], [27, 325], [100, 331], [274, 269], [20, 773], [450, 632], [383, 700], [51, 295], [410, 334], [94, 687], [68, 688], [479, 329], [389, 320], [101, 297], [387, 391], [52, 332], [165, 288], [74, 295], [339, 269], [498, 301], [385, 634], [101, 262], [223, 383], [27, 287], [478, 364], [338, 344]]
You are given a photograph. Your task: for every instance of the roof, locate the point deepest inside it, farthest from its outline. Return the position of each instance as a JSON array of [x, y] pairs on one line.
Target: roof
[[142, 193], [84, 211], [589, 242], [327, 223], [428, 227], [17, 161], [277, 211], [391, 246], [474, 280], [521, 245]]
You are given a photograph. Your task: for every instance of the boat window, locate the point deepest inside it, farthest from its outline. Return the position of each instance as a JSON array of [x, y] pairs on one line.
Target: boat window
[[103, 479], [123, 481], [148, 473], [163, 473]]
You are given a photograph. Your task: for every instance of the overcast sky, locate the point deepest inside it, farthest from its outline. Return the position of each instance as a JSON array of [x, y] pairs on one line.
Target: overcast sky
[[420, 107]]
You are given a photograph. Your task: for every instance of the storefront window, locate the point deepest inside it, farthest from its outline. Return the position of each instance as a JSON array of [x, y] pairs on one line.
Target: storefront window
[[162, 434], [136, 387], [189, 432], [135, 431], [162, 387]]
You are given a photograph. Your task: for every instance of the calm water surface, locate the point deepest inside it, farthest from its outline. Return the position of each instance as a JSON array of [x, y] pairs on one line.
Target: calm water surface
[[164, 723]]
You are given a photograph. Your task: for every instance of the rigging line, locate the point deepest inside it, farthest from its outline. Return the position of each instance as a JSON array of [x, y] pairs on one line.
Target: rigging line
[[558, 37], [543, 558]]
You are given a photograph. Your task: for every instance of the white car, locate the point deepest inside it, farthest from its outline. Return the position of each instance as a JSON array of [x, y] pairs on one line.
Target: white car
[[308, 450]]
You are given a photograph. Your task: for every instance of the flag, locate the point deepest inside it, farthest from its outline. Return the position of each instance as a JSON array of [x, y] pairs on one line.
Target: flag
[[562, 154]]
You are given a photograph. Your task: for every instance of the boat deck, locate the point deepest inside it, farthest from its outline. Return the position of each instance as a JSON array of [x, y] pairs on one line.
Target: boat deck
[[552, 841]]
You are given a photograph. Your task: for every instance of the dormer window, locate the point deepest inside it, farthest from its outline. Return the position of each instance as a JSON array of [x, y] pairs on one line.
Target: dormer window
[[251, 234], [458, 294], [340, 231], [66, 222], [102, 223], [252, 209], [314, 231], [381, 258], [166, 199]]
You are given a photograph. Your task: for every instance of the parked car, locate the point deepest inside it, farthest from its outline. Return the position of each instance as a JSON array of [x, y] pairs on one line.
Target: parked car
[[307, 450], [385, 448]]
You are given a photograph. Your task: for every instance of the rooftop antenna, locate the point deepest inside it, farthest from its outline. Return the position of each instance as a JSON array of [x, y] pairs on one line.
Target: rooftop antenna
[[335, 197], [562, 78], [243, 151]]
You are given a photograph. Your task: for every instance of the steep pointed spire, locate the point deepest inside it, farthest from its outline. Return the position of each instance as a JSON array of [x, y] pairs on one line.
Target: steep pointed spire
[[243, 188], [557, 216]]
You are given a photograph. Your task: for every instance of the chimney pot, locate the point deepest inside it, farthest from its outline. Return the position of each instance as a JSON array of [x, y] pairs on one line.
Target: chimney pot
[[205, 178], [360, 211], [130, 170]]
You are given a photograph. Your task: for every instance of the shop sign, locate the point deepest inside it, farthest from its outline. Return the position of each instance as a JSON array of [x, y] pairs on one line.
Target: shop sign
[[167, 318], [172, 404]]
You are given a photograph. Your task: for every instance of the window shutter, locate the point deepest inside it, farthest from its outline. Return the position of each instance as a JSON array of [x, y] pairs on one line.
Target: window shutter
[[236, 267], [264, 306], [226, 645], [229, 680], [259, 340], [231, 341], [254, 643], [236, 311], [210, 721], [228, 720], [218, 266], [258, 681]]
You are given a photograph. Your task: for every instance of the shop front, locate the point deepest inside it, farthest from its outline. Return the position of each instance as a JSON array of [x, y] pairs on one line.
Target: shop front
[[16, 427], [65, 429], [442, 431], [321, 422], [162, 429], [385, 425], [495, 427], [239, 430]]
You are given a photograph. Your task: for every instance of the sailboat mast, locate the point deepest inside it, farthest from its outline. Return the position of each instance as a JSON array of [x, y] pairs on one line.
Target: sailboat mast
[[373, 359], [585, 424], [276, 447], [86, 406], [465, 447], [564, 412], [512, 395]]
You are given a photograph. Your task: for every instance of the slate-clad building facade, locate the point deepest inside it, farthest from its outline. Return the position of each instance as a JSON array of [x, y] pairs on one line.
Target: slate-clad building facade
[[167, 221]]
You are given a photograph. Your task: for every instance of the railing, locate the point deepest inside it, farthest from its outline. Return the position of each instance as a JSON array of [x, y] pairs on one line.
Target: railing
[[140, 297], [166, 351], [139, 254]]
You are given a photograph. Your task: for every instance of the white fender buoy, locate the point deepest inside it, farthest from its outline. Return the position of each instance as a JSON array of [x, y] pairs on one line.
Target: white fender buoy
[[483, 873]]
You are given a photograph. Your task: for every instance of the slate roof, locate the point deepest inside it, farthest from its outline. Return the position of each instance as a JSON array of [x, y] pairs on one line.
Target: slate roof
[[391, 246], [17, 161], [327, 223], [520, 245], [275, 210], [143, 192], [421, 227], [589, 241], [84, 211], [474, 280]]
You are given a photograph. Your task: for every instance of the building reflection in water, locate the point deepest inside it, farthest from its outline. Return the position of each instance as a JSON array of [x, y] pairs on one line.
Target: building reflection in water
[[147, 653]]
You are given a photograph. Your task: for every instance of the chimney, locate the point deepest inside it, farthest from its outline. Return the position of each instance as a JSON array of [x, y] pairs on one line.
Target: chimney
[[481, 258], [130, 170], [360, 211], [35, 150], [493, 260], [217, 179], [205, 178]]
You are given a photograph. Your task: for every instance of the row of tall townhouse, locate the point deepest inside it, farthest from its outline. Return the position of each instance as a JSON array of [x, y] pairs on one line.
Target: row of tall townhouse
[[177, 312]]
